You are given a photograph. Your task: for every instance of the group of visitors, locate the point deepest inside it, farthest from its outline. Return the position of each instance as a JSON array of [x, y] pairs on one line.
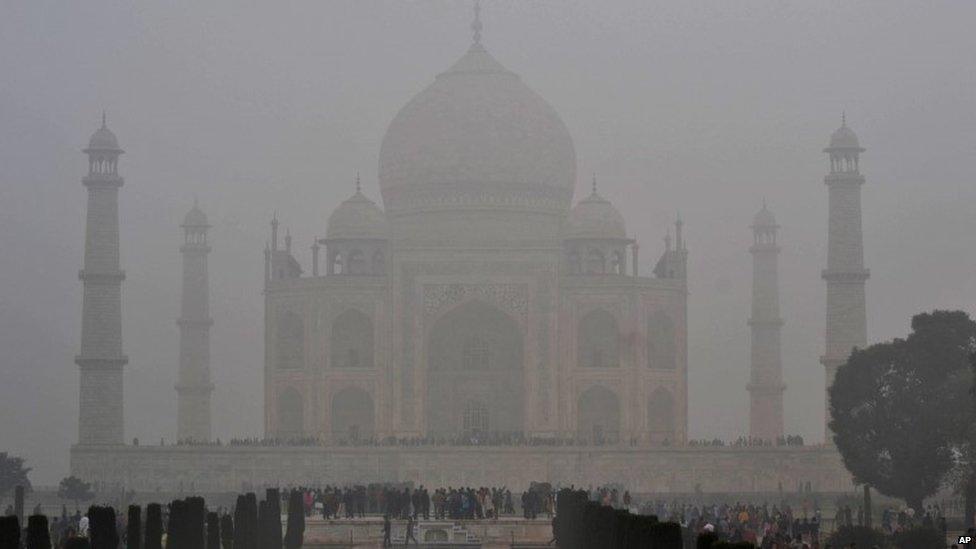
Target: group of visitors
[[67, 526], [895, 521], [747, 442], [757, 524], [402, 502], [493, 438]]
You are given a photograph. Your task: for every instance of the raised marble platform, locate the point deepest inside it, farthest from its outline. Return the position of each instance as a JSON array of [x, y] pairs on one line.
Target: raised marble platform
[[217, 469]]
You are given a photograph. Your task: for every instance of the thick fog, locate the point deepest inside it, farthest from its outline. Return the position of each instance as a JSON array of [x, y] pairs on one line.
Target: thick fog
[[252, 107]]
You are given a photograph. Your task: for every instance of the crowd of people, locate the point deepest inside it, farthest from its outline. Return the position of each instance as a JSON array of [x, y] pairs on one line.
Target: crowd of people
[[743, 442], [489, 439], [450, 503], [763, 525]]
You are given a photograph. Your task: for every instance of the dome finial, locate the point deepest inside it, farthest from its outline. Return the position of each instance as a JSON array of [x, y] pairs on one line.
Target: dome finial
[[476, 25], [843, 119], [594, 182], [103, 119], [359, 187]]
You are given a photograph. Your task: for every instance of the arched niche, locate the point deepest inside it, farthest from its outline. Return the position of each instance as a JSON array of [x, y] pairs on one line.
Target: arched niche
[[474, 354]]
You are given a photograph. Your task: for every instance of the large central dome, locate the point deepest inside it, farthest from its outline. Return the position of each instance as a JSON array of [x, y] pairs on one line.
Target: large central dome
[[476, 138]]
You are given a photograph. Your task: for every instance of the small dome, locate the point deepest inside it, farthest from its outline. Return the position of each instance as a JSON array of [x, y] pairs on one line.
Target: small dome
[[103, 139], [764, 218], [844, 138], [195, 218], [357, 217], [595, 217]]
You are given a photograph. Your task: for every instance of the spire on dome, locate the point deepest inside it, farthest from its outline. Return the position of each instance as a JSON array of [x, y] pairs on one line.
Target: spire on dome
[[594, 182], [103, 120], [476, 25], [843, 119], [359, 187]]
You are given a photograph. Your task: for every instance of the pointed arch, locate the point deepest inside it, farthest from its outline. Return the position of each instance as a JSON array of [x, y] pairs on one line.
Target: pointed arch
[[474, 354], [596, 262], [355, 262], [379, 262], [337, 265], [617, 262], [351, 344], [598, 415], [598, 340]]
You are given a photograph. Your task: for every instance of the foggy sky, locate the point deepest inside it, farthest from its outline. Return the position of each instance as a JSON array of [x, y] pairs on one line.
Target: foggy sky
[[700, 107]]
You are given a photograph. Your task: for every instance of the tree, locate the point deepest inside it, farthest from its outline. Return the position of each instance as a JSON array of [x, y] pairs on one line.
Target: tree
[[74, 489], [895, 407], [12, 473]]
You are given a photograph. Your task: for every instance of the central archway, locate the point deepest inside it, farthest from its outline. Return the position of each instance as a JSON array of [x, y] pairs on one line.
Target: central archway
[[474, 363], [353, 415]]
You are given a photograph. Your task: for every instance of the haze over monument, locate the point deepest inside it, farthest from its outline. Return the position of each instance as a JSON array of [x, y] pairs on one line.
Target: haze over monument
[[665, 127]]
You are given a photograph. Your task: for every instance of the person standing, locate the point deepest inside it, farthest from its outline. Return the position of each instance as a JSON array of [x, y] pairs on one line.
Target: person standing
[[411, 523], [386, 531]]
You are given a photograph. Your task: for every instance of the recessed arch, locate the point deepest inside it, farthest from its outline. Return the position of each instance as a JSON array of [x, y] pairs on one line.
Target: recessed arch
[[598, 415], [351, 344], [353, 415], [474, 354], [355, 262], [379, 262], [617, 262], [598, 340], [596, 262], [291, 414]]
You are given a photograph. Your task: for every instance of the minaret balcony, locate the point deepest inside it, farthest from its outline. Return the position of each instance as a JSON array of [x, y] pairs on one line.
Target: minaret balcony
[[846, 276]]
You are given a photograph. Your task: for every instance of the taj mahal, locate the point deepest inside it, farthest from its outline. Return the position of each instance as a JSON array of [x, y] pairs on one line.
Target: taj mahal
[[489, 303]]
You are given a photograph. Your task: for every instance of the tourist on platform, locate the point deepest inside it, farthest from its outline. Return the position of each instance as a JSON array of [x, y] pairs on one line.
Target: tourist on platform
[[411, 524]]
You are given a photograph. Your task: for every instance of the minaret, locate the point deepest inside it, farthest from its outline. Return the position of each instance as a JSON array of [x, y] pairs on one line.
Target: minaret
[[194, 387], [845, 273], [766, 375], [100, 419]]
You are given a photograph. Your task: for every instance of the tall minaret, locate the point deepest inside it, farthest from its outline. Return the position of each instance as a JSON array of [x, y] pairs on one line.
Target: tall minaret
[[845, 273], [101, 361], [766, 377], [194, 386]]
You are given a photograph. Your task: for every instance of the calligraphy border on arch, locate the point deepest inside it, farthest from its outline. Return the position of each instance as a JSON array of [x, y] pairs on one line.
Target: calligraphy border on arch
[[512, 298]]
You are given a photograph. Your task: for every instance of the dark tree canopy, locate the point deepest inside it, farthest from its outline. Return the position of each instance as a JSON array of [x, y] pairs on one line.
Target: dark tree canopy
[[12, 473], [895, 406], [75, 489]]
